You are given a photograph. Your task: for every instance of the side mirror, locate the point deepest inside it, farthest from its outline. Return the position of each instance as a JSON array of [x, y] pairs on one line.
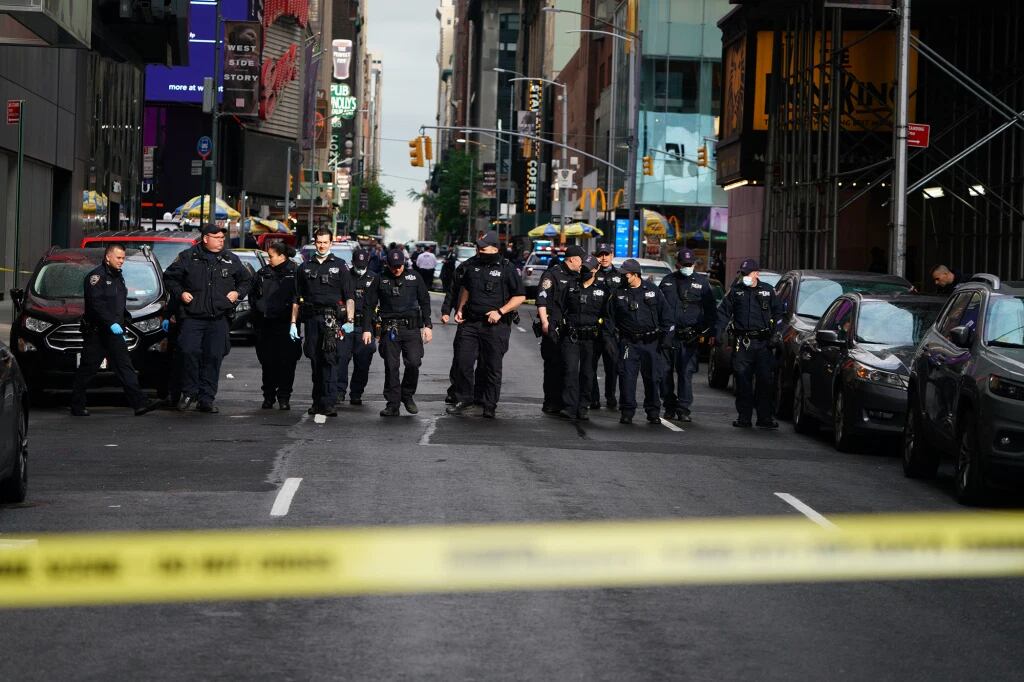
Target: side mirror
[[827, 337], [18, 297], [962, 336]]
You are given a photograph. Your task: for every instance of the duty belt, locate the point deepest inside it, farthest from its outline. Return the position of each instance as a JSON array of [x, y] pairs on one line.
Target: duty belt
[[639, 337], [575, 334]]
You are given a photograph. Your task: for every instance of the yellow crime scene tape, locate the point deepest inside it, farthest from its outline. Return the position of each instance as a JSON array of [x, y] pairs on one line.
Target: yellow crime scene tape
[[122, 568]]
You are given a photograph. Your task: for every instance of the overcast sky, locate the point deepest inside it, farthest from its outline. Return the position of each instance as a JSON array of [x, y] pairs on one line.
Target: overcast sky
[[404, 35]]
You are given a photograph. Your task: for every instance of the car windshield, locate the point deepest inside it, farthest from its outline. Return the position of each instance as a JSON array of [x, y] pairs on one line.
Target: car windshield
[[343, 252], [539, 259], [464, 252], [817, 294], [60, 280], [166, 252], [1004, 325], [656, 273], [895, 323], [769, 278], [250, 258]]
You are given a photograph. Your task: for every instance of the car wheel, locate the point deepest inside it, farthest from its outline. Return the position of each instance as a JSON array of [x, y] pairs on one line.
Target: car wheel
[[841, 436], [918, 460], [802, 422], [15, 487], [717, 376], [970, 476], [783, 398]]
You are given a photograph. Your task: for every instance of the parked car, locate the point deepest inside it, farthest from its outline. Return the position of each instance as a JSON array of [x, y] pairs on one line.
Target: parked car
[[14, 410], [165, 244], [805, 295], [720, 356], [536, 264], [46, 337], [852, 372], [342, 250], [241, 324], [652, 270], [966, 393]]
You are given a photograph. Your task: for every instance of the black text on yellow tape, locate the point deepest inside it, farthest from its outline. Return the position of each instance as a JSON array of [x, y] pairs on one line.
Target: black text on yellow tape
[[118, 568]]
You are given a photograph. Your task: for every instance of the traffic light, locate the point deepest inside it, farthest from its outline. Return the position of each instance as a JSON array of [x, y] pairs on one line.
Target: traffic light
[[428, 148], [291, 183], [416, 152], [648, 165], [702, 156]]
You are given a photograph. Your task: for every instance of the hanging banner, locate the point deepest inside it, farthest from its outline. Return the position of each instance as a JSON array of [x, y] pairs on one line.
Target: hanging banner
[[242, 46], [309, 104], [341, 51]]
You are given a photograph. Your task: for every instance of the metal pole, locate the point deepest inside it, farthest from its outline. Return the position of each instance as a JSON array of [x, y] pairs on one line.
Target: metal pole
[[288, 187], [612, 138], [563, 191], [634, 113], [17, 192], [216, 118], [898, 256], [511, 154], [497, 179], [312, 189], [469, 214]]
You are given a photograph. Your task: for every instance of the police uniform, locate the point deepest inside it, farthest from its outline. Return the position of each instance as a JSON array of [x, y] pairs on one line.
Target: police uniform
[[272, 296], [363, 279], [608, 346], [400, 303], [451, 299], [324, 288], [554, 283], [103, 336], [203, 339], [691, 303], [641, 319], [490, 283], [751, 313], [578, 312]]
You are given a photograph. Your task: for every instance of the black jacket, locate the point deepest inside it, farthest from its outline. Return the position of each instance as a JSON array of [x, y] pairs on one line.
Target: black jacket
[[750, 309], [403, 296], [209, 277], [691, 301], [105, 297], [273, 291]]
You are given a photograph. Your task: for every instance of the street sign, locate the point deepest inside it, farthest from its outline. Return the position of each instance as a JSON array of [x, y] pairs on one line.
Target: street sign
[[918, 135], [147, 161], [13, 112], [203, 146]]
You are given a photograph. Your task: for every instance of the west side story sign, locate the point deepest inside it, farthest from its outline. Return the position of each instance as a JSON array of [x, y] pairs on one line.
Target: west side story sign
[[243, 41]]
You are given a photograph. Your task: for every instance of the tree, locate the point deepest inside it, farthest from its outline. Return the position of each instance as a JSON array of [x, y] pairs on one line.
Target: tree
[[452, 176], [373, 218]]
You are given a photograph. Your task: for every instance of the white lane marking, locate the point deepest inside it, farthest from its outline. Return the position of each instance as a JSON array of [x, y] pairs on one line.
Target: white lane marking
[[110, 445], [431, 427], [520, 329], [284, 497], [805, 510], [240, 416], [670, 426], [319, 418]]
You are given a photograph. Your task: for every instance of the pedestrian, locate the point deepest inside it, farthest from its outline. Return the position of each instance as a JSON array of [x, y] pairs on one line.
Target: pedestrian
[[946, 279], [717, 269], [103, 334], [272, 297], [326, 307], [362, 353], [641, 320], [750, 312], [578, 313], [448, 270], [692, 310], [376, 263], [608, 346], [209, 282], [558, 281], [491, 292], [425, 264], [400, 303]]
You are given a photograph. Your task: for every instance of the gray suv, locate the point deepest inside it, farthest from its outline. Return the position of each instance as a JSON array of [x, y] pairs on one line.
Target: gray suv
[[966, 390]]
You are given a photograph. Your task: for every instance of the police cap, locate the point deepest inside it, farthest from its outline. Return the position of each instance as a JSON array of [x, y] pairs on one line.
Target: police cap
[[489, 239], [590, 263], [686, 256], [213, 229], [575, 252], [630, 265], [603, 247], [360, 258], [748, 266], [396, 258]]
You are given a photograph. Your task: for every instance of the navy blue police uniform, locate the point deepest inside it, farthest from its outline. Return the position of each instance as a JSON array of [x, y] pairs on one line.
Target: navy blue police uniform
[[608, 346], [451, 299], [103, 336], [203, 338], [272, 297], [363, 279], [554, 283], [641, 320], [692, 309], [751, 314], [324, 288], [400, 304]]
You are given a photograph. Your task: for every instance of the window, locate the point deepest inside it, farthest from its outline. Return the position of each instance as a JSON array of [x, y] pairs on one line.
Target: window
[[840, 319], [817, 293], [1004, 325], [953, 314], [671, 85], [895, 323]]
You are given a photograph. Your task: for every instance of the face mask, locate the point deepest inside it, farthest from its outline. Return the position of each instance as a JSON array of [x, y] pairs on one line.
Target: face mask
[[359, 271], [488, 257], [687, 270], [587, 275], [748, 281]]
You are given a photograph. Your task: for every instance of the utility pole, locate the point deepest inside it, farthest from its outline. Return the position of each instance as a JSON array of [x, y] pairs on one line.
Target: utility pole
[[898, 250], [214, 148], [634, 113], [288, 187], [469, 215], [17, 193], [563, 191]]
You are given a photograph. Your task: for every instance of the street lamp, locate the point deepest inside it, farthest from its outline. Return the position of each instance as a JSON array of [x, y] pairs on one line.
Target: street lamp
[[511, 105], [472, 172]]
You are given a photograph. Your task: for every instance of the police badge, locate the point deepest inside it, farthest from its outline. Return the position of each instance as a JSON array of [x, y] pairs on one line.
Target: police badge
[[94, 279], [546, 284]]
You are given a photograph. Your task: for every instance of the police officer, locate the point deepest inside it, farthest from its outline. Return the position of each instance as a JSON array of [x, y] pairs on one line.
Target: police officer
[[272, 297], [578, 312], [103, 329], [491, 291], [401, 303], [608, 346], [326, 307], [451, 298], [554, 286], [209, 282], [362, 353], [750, 311], [691, 303], [641, 320]]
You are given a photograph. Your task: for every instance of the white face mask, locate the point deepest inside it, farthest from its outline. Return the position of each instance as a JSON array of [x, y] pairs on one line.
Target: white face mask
[[748, 281], [359, 271], [687, 270]]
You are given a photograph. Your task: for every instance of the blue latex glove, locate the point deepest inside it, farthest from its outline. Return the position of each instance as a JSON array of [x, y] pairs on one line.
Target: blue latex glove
[[348, 327], [116, 329], [166, 326], [293, 332]]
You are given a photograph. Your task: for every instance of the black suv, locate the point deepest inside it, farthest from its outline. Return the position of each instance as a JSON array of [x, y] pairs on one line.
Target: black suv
[[46, 337], [966, 392]]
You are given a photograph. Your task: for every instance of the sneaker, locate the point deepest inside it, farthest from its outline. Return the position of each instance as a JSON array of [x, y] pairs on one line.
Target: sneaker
[[549, 409], [564, 414], [311, 411], [767, 424], [208, 408], [267, 404], [653, 418], [390, 411], [449, 400], [148, 407], [582, 415], [410, 406], [612, 404], [283, 405], [459, 408], [80, 413], [488, 413], [742, 424], [186, 403], [670, 413], [626, 419]]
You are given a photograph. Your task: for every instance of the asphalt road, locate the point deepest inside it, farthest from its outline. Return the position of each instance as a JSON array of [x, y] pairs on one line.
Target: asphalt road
[[189, 471]]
